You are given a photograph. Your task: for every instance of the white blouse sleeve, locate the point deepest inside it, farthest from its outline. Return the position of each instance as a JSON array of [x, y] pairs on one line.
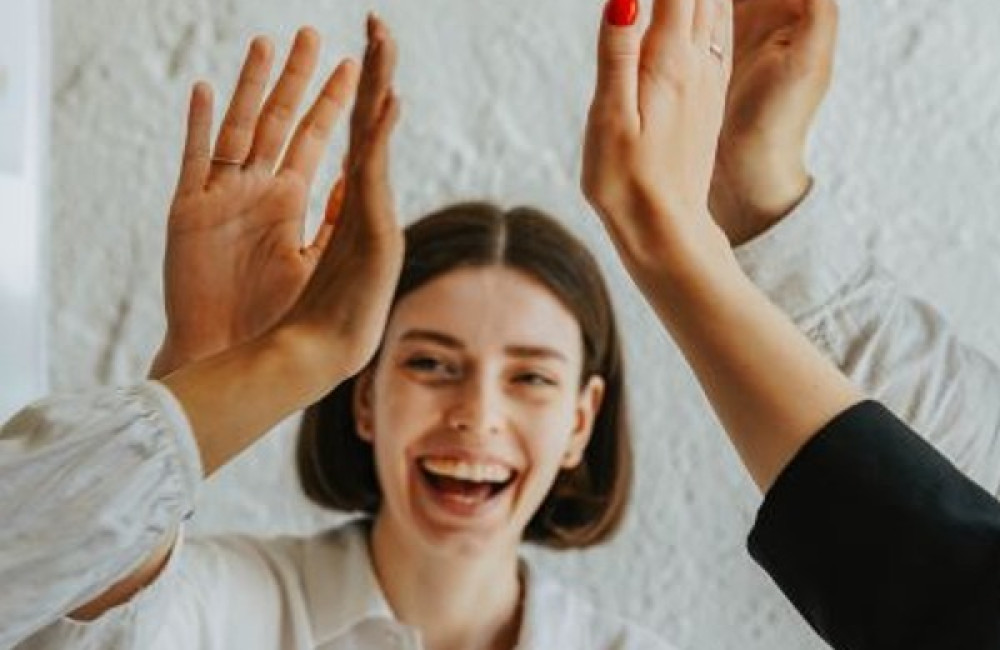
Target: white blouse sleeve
[[90, 485], [895, 348], [214, 594]]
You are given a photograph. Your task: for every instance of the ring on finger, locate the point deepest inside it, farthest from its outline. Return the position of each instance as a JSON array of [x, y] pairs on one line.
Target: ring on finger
[[716, 50], [221, 160]]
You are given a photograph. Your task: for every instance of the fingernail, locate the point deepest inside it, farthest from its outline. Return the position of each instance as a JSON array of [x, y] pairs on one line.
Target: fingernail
[[621, 13]]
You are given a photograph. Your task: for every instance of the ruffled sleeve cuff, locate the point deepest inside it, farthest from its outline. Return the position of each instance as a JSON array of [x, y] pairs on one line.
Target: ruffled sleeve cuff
[[92, 484]]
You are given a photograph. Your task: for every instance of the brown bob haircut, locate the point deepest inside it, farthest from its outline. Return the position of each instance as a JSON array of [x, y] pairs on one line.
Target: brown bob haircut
[[586, 504]]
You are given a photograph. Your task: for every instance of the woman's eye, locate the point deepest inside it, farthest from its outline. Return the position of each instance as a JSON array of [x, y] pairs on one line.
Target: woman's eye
[[429, 365], [422, 363], [534, 379]]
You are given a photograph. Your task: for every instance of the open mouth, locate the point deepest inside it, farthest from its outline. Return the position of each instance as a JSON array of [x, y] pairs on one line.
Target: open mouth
[[466, 482]]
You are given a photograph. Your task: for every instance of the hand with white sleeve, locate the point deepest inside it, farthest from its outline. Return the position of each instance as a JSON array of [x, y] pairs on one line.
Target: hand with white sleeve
[[95, 549], [331, 326], [803, 255]]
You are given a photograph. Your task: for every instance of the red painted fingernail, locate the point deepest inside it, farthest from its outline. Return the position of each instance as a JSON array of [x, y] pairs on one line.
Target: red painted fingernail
[[621, 13]]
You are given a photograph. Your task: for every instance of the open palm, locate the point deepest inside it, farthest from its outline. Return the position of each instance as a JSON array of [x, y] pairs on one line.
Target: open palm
[[235, 259]]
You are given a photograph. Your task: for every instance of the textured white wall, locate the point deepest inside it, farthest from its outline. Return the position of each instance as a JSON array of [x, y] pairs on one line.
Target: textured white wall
[[494, 97]]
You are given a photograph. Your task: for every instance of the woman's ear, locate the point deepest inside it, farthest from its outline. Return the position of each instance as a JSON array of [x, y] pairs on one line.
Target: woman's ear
[[361, 402], [587, 406]]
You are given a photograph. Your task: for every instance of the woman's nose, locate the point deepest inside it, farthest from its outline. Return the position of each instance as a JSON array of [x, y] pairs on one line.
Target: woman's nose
[[477, 409]]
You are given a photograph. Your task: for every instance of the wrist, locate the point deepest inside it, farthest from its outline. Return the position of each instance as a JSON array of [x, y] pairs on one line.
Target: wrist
[[690, 261], [751, 194], [166, 360], [310, 361], [235, 397], [174, 354], [691, 280]]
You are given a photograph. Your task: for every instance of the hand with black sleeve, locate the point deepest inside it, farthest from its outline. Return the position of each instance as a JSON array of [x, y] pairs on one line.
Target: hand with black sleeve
[[878, 539]]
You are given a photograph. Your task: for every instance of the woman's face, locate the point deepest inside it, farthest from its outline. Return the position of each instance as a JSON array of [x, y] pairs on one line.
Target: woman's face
[[474, 406]]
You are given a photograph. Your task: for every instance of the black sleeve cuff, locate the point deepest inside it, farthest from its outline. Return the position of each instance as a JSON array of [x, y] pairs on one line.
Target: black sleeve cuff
[[880, 542]]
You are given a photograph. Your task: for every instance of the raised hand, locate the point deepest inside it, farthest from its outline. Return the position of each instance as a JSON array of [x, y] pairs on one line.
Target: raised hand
[[342, 312], [781, 72], [653, 128], [235, 259], [331, 328], [648, 160]]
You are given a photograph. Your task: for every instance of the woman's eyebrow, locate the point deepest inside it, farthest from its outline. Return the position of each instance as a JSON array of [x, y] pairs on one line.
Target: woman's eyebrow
[[535, 352], [449, 341], [432, 336]]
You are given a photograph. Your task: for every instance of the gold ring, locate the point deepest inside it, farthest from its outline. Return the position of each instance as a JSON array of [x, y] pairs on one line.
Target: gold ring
[[218, 160]]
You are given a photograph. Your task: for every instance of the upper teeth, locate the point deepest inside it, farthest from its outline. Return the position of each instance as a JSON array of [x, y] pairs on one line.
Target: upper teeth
[[466, 471]]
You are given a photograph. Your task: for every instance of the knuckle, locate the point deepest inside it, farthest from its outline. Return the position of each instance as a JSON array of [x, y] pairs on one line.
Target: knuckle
[[329, 104], [280, 112], [238, 126], [296, 72], [315, 128], [618, 58], [599, 189], [666, 78]]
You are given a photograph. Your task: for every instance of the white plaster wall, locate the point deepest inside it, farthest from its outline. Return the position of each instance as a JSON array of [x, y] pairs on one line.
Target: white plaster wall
[[495, 94]]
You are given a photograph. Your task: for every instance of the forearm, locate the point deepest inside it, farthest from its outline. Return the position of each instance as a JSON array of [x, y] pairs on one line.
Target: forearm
[[234, 398], [895, 348], [771, 389]]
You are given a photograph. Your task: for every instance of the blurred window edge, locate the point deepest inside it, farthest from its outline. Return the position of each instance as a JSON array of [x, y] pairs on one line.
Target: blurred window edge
[[24, 225]]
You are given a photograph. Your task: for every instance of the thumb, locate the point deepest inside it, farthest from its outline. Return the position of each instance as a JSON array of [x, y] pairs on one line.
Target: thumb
[[618, 50], [334, 205]]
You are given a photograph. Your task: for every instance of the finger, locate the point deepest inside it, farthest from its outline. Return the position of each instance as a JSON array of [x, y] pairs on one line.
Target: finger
[[671, 23], [369, 177], [336, 201], [236, 133], [196, 161], [376, 79], [706, 22], [819, 30], [312, 135], [617, 72], [334, 204], [721, 41], [278, 114], [375, 165]]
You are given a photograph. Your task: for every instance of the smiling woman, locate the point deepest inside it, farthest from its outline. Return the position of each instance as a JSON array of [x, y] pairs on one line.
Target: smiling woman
[[497, 316], [481, 401]]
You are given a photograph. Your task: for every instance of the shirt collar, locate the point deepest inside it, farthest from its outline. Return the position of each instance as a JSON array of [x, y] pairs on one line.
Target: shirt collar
[[340, 583], [343, 591], [548, 613]]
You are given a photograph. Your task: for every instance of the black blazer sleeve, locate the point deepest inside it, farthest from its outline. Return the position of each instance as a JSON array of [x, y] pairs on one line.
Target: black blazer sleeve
[[880, 542]]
